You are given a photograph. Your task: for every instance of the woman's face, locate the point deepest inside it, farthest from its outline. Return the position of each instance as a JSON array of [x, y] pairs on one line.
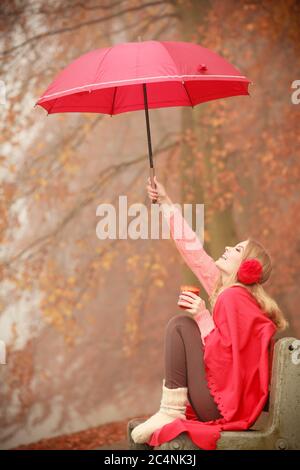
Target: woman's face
[[231, 258]]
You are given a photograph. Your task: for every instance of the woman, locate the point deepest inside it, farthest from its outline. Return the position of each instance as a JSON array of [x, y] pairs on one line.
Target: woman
[[217, 367]]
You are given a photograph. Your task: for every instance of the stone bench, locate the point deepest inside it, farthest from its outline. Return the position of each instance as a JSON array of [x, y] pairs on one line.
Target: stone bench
[[279, 428]]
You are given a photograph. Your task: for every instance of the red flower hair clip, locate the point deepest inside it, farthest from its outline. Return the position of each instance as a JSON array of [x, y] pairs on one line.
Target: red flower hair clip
[[250, 271]]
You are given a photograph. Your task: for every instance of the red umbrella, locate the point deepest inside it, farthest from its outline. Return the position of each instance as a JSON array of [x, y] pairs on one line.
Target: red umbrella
[[142, 75]]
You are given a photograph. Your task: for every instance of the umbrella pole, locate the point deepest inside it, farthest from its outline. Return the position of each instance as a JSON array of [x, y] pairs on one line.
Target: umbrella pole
[[152, 173]]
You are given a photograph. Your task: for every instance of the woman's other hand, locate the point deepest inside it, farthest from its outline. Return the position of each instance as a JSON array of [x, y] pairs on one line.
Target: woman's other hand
[[194, 303]]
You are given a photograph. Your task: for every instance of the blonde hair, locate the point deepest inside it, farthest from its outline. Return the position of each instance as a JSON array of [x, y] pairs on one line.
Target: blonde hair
[[254, 249]]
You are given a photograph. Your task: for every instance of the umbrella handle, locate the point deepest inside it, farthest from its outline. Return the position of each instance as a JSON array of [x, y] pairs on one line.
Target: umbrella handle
[[153, 185]]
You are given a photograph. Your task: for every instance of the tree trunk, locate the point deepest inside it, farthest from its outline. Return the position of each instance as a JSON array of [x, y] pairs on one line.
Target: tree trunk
[[221, 228]]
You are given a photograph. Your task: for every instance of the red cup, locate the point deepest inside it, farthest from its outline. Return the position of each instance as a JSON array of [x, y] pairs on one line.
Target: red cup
[[189, 288]]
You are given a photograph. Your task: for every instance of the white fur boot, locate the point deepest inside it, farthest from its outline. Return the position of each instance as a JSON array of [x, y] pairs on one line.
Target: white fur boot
[[172, 406]]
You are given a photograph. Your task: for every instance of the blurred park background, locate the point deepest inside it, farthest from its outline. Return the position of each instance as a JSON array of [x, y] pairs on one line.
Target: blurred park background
[[83, 319]]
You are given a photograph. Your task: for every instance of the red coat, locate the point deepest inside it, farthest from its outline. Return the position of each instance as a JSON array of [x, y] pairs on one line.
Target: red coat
[[236, 358], [237, 361]]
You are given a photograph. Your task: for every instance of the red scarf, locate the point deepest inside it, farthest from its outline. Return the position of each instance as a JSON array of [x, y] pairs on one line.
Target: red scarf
[[237, 364]]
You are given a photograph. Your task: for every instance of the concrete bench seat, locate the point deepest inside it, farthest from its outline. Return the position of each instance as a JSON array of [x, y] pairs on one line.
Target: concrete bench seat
[[279, 428]]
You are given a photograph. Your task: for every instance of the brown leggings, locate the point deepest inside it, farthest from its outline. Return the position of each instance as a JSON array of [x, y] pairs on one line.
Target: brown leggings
[[184, 366]]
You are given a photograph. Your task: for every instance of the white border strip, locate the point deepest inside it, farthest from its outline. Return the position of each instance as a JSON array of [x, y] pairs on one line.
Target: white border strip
[[142, 78]]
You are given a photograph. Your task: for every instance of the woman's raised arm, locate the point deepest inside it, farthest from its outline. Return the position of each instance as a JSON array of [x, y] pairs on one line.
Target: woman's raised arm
[[191, 249], [186, 240]]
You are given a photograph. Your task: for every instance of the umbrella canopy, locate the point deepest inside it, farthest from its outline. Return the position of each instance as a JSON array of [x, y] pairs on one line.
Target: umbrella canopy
[[109, 80], [140, 75]]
